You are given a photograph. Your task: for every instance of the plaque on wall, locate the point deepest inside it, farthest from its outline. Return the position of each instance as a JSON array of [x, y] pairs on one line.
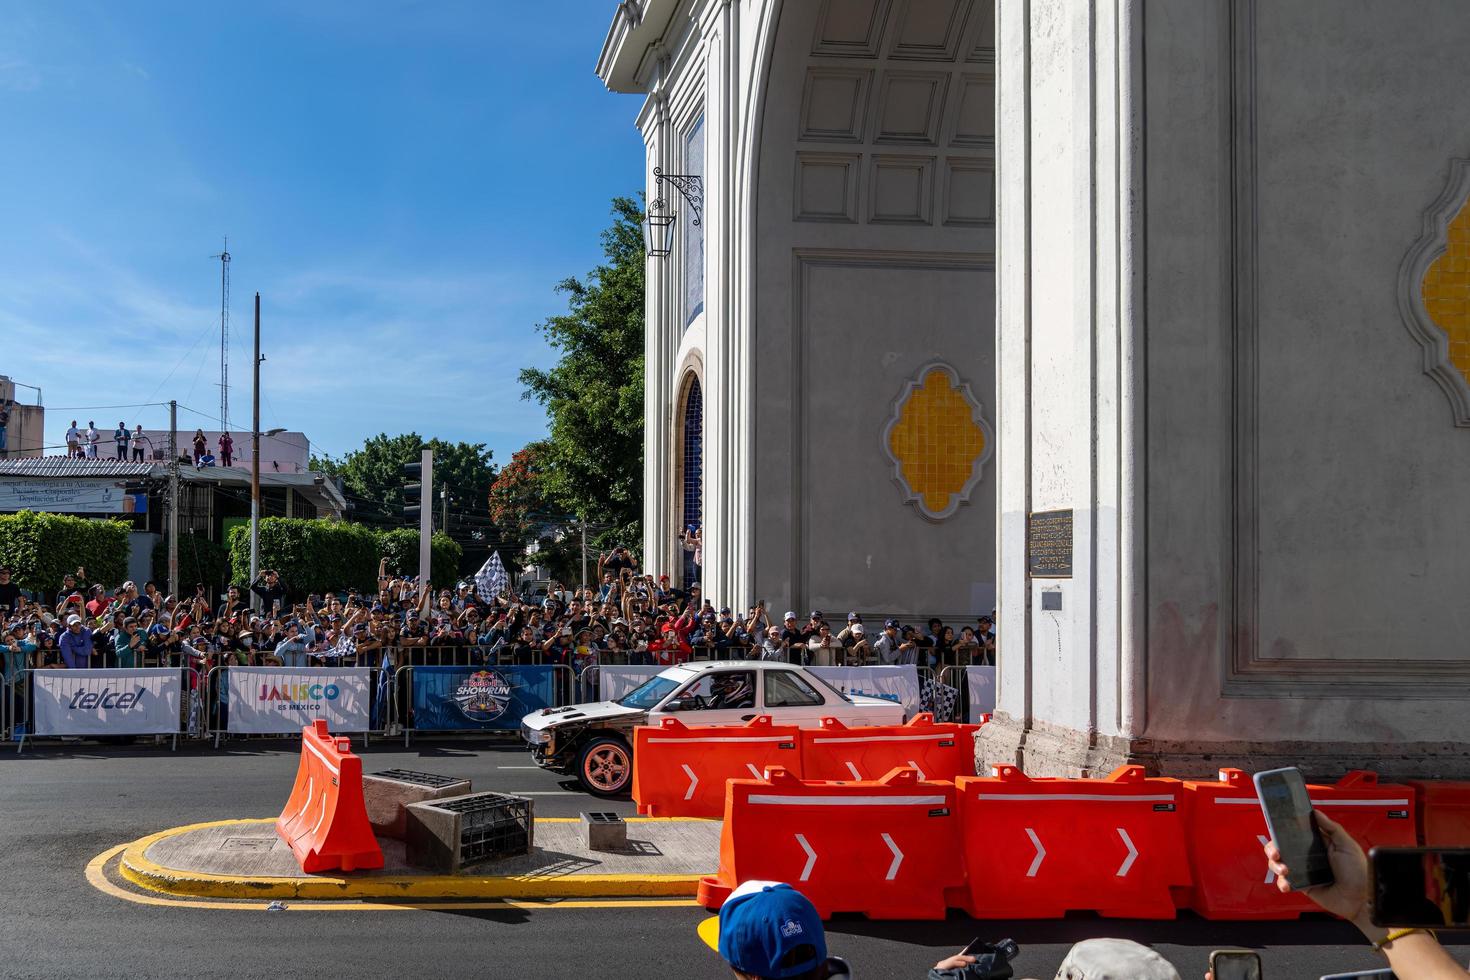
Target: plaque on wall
[[1049, 544]]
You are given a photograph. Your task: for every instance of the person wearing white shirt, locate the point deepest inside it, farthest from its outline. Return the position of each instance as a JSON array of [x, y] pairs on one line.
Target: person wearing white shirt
[[73, 440], [93, 438]]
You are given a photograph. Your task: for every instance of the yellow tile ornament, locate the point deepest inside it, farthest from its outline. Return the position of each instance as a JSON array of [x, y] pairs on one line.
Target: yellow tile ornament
[[938, 441], [1434, 290]]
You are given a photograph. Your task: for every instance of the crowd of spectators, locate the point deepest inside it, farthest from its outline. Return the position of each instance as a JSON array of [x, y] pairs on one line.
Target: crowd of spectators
[[629, 617]]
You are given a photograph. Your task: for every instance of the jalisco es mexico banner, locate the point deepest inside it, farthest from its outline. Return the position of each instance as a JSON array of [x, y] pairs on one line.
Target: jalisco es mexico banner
[[982, 691], [107, 702], [479, 698], [615, 682], [898, 683], [285, 699]]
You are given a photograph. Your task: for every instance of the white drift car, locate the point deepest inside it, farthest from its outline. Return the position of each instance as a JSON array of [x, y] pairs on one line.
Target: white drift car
[[594, 742]]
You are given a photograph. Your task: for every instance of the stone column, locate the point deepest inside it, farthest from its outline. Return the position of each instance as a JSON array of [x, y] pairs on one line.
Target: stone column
[[1204, 211]]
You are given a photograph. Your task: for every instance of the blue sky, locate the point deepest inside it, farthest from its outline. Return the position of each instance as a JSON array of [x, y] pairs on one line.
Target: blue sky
[[403, 182]]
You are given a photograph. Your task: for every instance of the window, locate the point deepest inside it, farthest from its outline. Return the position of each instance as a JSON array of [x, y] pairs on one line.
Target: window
[[693, 252], [692, 479], [786, 689], [727, 689]]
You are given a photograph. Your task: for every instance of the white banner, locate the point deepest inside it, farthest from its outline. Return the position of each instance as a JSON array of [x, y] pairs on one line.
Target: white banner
[[287, 699], [107, 702], [68, 496], [898, 683], [618, 681], [981, 682]]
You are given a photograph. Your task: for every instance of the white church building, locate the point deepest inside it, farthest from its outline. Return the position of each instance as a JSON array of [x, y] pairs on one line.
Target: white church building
[[1146, 322]]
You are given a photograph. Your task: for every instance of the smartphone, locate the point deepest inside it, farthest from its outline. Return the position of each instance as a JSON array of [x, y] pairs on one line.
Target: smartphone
[[1235, 964], [1288, 812], [1428, 887], [1007, 948]]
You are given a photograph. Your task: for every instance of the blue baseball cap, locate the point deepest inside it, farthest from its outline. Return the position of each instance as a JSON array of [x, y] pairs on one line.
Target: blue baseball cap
[[770, 929]]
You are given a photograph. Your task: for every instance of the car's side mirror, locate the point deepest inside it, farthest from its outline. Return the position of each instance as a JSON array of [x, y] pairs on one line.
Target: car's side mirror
[[676, 705]]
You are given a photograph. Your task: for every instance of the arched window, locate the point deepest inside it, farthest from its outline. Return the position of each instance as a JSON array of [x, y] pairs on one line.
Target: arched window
[[691, 479]]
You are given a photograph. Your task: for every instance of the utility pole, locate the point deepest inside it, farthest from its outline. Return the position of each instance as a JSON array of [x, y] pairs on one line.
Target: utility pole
[[444, 509], [426, 517], [173, 498], [224, 334], [584, 554], [255, 463]]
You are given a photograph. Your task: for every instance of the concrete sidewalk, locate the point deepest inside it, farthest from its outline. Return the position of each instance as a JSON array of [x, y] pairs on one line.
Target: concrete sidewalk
[[246, 859]]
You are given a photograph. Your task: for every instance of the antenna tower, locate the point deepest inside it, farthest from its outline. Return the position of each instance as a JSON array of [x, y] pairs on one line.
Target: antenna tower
[[224, 334]]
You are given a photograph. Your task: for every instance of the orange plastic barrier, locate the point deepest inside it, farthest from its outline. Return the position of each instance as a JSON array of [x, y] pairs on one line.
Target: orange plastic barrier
[[325, 820], [681, 771], [888, 849], [1039, 848], [835, 751], [1444, 812], [1227, 831]]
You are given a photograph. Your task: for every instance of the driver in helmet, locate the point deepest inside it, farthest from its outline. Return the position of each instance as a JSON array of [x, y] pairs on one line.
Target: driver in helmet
[[732, 690]]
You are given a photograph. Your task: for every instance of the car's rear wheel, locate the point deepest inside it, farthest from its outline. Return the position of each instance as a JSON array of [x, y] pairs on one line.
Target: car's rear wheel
[[605, 766]]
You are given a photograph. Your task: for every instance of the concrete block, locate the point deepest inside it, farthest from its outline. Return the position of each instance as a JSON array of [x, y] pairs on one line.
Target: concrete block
[[604, 832], [450, 834], [388, 792]]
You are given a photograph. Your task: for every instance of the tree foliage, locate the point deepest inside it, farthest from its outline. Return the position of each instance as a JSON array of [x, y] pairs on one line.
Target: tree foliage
[[373, 475], [41, 548], [591, 463], [330, 556]]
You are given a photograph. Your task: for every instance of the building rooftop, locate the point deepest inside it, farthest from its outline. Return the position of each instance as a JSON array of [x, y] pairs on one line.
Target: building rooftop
[[54, 467]]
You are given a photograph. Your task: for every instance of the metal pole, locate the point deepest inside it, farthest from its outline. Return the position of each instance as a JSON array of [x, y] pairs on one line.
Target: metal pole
[[444, 509], [584, 554], [173, 498], [426, 519], [255, 464]]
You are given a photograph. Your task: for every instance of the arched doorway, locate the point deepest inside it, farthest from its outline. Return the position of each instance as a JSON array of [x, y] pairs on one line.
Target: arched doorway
[[690, 489]]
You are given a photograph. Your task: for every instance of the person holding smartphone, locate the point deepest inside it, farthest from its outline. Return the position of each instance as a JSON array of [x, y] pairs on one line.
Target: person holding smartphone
[[1411, 952]]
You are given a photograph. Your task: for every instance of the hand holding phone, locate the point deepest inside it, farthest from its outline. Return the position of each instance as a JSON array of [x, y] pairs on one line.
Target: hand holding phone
[[1288, 811]]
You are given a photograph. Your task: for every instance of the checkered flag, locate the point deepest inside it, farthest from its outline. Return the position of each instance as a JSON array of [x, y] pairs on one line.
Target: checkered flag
[[491, 579], [346, 647], [941, 699]]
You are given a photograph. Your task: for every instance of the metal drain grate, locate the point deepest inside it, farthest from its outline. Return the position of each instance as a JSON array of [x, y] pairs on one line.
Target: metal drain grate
[[429, 779]]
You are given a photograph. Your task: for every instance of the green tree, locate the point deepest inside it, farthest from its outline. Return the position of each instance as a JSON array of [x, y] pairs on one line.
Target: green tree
[[591, 463], [373, 475]]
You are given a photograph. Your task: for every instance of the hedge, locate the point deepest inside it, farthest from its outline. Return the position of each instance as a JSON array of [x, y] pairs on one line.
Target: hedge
[[41, 548], [401, 548], [329, 556], [200, 560]]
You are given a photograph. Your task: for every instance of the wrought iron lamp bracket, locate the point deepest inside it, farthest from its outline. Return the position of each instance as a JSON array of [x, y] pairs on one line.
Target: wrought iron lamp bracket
[[689, 186]]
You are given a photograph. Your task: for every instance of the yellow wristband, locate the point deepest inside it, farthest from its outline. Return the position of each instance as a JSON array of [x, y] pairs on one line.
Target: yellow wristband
[[1398, 934]]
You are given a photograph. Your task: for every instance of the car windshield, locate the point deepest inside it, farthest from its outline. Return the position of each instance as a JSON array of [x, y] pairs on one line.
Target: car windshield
[[822, 681], [649, 693]]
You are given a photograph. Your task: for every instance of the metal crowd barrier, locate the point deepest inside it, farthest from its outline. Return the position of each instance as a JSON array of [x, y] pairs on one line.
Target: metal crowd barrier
[[564, 689], [215, 707], [18, 711]]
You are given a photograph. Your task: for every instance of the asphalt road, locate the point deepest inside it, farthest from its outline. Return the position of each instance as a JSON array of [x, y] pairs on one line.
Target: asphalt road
[[60, 807]]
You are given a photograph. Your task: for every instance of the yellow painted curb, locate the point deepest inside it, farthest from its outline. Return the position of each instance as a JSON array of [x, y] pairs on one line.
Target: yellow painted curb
[[97, 877], [137, 868]]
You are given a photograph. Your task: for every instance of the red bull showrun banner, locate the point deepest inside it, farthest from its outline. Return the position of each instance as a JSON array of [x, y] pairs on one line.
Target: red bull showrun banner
[[447, 699]]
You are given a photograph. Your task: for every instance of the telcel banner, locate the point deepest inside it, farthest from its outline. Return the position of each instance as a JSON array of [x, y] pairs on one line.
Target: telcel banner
[[285, 699], [981, 681], [107, 702], [451, 699], [616, 681], [899, 683]]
